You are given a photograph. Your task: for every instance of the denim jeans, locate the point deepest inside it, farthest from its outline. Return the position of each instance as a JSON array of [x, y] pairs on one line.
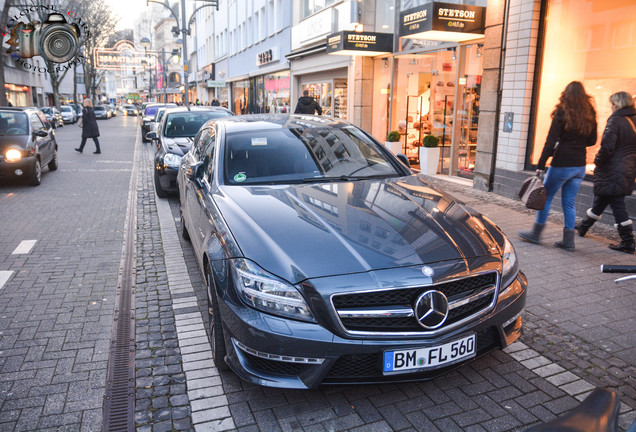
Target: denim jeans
[[568, 179]]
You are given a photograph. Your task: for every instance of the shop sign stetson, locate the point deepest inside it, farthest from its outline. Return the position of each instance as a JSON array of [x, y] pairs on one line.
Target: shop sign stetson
[[359, 43], [443, 22]]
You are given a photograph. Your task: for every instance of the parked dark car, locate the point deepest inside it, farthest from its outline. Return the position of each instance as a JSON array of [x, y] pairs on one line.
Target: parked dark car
[[101, 112], [328, 261], [27, 142], [148, 118], [174, 138], [53, 116]]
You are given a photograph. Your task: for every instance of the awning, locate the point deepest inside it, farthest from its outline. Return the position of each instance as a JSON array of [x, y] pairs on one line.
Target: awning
[[443, 22], [359, 43]]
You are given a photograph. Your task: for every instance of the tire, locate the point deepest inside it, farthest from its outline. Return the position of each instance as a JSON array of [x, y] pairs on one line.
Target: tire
[[35, 175], [53, 163], [184, 231], [215, 327], [161, 193]]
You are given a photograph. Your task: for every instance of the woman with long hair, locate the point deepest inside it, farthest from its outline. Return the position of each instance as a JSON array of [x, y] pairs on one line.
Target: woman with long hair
[[573, 129], [89, 126], [615, 171]]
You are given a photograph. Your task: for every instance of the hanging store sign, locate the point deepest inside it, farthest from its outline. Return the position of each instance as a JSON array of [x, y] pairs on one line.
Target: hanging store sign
[[122, 56], [362, 44], [443, 22]]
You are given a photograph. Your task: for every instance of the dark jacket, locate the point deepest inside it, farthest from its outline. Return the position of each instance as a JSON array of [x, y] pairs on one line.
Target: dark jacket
[[616, 159], [572, 147], [89, 123], [307, 105]]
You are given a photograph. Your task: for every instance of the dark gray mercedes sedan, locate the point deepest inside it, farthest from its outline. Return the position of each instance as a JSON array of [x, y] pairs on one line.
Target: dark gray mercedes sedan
[[328, 261]]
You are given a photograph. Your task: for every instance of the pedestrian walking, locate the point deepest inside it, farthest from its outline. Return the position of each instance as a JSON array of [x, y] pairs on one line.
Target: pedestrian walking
[[89, 126], [307, 105], [573, 129], [615, 171]]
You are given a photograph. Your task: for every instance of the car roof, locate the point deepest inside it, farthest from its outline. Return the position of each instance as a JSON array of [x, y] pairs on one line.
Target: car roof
[[171, 110], [248, 122]]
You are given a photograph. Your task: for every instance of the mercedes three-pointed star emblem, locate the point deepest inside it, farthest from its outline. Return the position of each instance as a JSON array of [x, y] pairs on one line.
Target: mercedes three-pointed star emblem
[[431, 309]]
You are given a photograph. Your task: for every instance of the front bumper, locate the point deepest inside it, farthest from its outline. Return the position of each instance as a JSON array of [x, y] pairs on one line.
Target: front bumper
[[276, 352], [19, 169], [167, 176]]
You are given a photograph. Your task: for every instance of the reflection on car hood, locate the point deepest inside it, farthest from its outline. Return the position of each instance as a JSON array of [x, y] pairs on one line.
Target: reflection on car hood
[[315, 230], [178, 146], [7, 141]]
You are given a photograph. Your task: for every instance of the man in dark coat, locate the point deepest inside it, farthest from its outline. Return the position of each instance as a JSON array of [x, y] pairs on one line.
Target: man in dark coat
[[307, 105], [615, 171], [89, 126]]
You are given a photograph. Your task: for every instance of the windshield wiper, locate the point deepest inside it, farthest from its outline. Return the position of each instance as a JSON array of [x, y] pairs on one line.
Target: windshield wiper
[[347, 178]]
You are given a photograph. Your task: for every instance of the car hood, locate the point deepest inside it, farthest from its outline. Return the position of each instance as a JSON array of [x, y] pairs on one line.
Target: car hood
[[178, 146], [309, 231], [7, 141]]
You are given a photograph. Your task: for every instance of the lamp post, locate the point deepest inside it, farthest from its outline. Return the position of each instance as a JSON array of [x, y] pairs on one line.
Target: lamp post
[[184, 29], [145, 43]]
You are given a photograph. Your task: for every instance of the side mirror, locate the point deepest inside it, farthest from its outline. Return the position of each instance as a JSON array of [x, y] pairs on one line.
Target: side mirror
[[151, 136], [41, 133], [404, 159], [193, 172]]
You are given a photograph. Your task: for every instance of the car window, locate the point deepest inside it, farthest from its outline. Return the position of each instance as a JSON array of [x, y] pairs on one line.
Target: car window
[[199, 140], [46, 110], [13, 123], [188, 123], [66, 109], [298, 154], [209, 143], [159, 114], [151, 111], [44, 120], [36, 123]]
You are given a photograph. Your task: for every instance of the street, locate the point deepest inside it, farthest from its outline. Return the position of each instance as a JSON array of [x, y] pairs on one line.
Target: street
[[58, 298]]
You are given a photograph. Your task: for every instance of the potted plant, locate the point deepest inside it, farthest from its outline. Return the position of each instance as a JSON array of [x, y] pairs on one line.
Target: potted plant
[[393, 142], [429, 155]]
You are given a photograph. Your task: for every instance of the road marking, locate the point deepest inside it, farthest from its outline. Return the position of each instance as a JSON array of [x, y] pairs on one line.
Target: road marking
[[24, 247], [4, 277]]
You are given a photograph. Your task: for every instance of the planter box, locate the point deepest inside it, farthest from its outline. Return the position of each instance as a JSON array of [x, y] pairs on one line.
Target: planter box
[[429, 160], [394, 146]]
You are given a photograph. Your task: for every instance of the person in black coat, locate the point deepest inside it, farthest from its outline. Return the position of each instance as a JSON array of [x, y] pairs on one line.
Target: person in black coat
[[573, 129], [307, 105], [89, 126], [615, 171]]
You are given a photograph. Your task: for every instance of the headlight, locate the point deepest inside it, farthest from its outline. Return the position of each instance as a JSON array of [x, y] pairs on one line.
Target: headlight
[[171, 160], [265, 292], [13, 155], [509, 261]]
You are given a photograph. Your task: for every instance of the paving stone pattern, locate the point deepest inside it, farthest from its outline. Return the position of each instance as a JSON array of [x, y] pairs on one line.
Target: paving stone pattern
[[56, 310]]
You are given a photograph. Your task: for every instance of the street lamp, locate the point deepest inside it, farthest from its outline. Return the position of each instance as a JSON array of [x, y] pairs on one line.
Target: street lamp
[[145, 43], [184, 28]]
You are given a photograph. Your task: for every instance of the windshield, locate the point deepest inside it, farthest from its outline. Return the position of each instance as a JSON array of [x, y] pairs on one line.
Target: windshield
[[66, 109], [13, 123], [99, 108], [188, 123], [46, 110], [159, 114], [151, 111], [296, 155]]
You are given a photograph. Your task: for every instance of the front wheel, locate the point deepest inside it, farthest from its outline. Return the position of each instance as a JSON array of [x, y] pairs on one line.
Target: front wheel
[[53, 163], [35, 176], [215, 328], [184, 231], [161, 192]]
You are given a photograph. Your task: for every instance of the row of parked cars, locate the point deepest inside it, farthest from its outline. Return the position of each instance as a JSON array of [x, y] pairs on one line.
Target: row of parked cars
[[327, 259]]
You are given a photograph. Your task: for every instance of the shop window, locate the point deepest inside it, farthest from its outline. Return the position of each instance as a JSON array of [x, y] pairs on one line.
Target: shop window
[[592, 42], [312, 6]]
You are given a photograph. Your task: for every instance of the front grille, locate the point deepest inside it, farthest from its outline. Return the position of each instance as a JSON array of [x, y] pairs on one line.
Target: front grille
[[275, 367], [406, 297], [368, 367]]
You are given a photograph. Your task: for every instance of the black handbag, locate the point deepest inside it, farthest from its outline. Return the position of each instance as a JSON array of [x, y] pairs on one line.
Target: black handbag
[[533, 193]]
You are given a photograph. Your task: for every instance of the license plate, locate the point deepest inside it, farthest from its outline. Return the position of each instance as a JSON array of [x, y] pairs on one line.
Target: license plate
[[429, 357]]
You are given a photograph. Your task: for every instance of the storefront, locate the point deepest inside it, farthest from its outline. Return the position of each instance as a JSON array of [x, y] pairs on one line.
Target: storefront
[[18, 95], [596, 39], [261, 94], [432, 84]]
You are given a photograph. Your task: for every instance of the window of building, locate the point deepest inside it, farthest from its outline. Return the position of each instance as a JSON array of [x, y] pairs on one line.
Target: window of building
[[312, 6], [592, 42]]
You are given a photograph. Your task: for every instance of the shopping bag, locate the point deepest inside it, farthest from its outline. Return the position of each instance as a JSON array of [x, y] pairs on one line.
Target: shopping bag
[[80, 122], [533, 193]]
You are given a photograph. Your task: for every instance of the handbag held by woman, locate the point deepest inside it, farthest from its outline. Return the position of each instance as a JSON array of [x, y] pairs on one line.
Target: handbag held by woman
[[533, 193]]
